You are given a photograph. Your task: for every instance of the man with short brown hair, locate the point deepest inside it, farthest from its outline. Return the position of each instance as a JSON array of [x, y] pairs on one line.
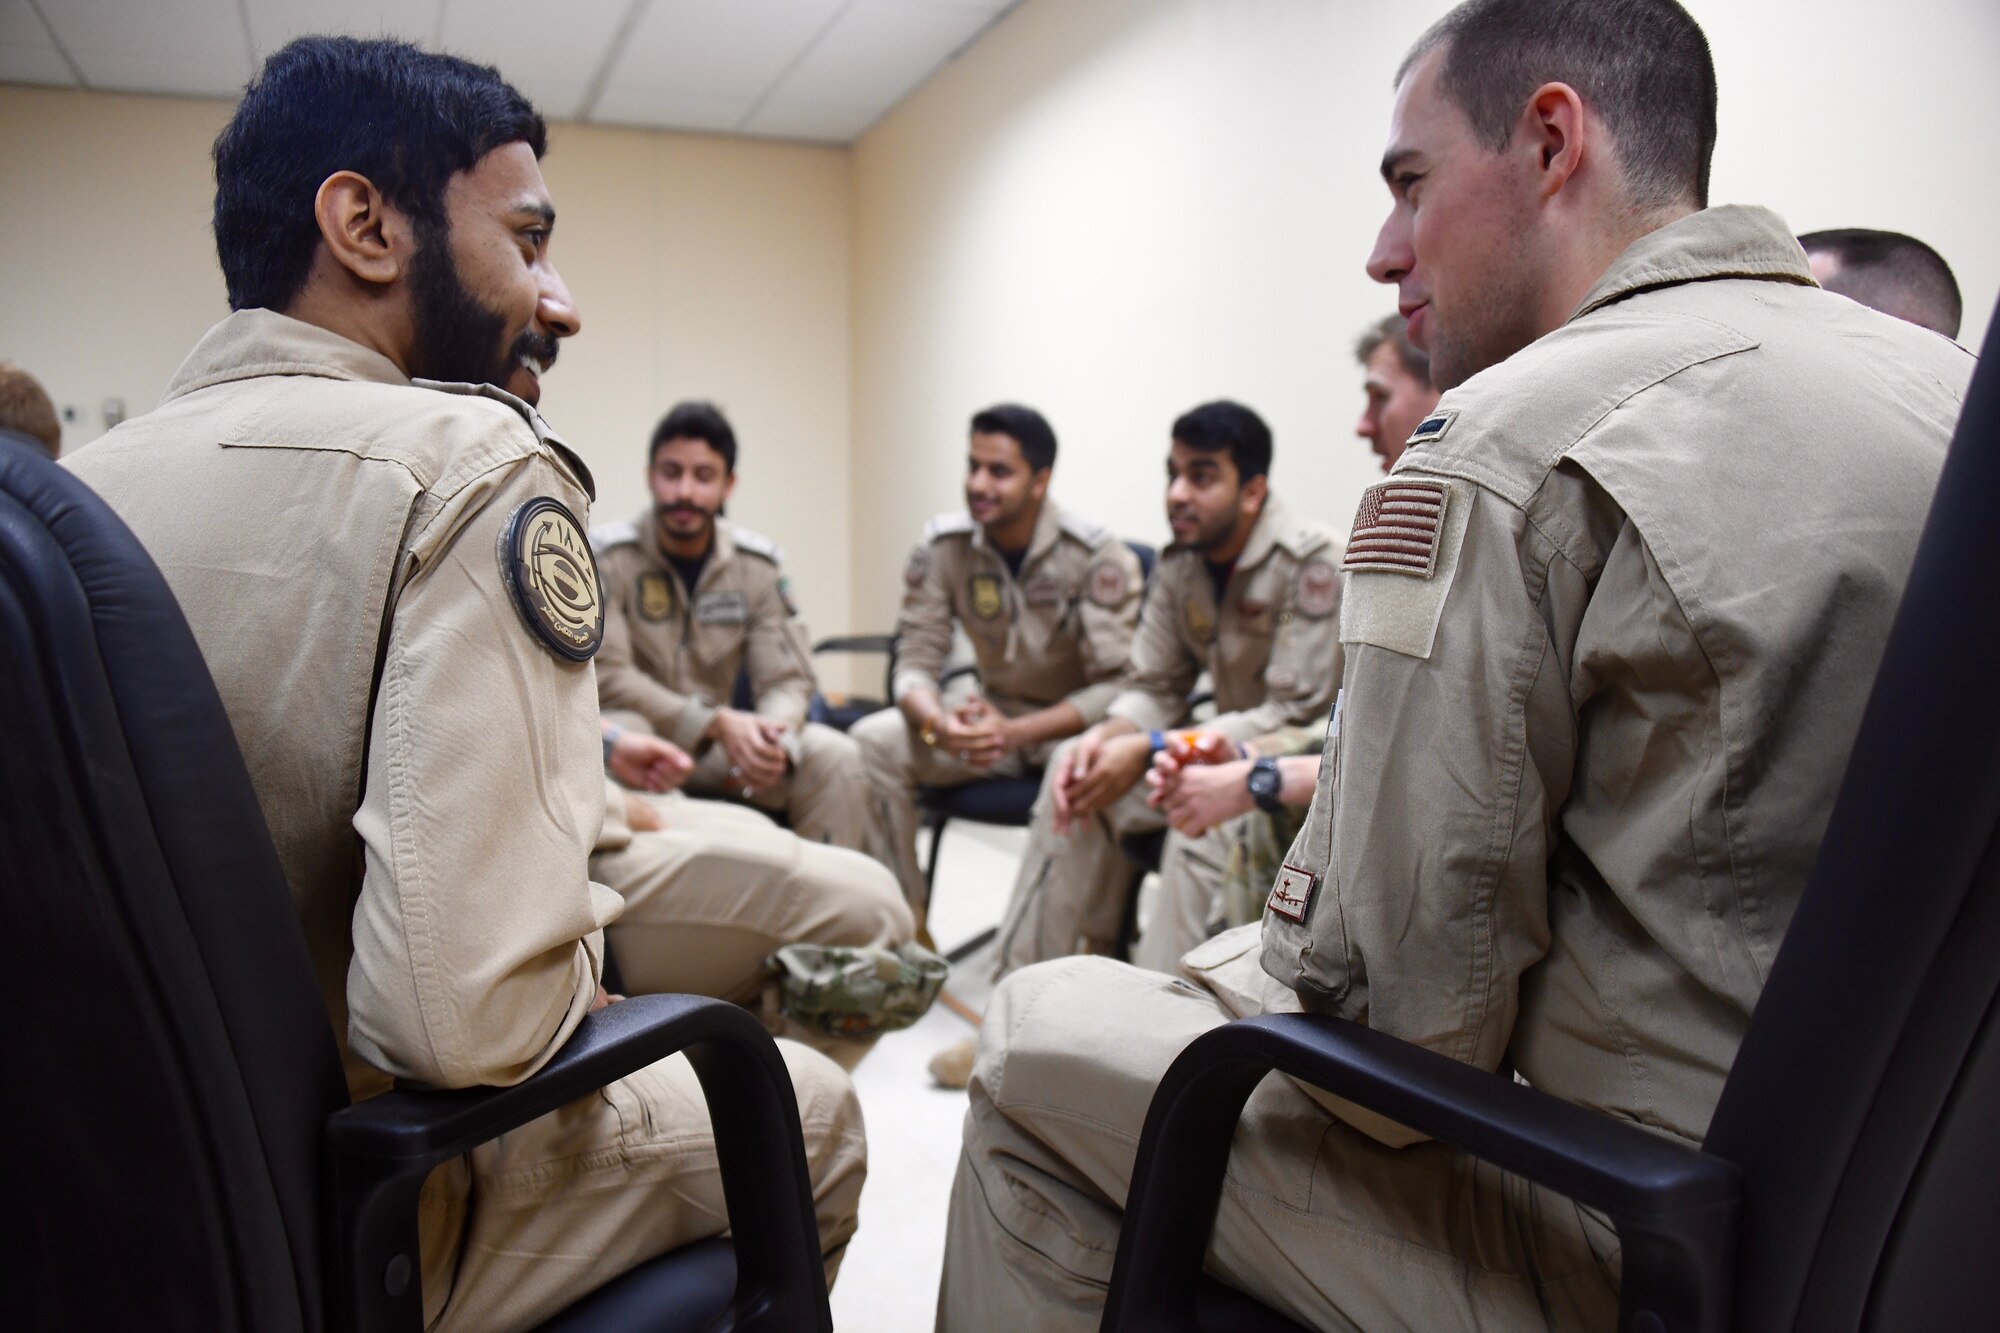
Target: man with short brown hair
[[25, 409], [1610, 627]]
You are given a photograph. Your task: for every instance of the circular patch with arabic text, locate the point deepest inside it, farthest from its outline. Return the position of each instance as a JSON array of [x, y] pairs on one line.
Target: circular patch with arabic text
[[552, 575]]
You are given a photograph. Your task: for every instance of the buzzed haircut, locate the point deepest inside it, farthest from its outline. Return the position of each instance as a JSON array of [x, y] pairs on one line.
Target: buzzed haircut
[[1025, 427], [1223, 425], [408, 120], [1394, 329], [696, 420], [1896, 274], [25, 407], [1641, 65]]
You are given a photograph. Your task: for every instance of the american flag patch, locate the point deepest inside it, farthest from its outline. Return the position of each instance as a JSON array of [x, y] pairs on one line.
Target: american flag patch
[[1397, 527]]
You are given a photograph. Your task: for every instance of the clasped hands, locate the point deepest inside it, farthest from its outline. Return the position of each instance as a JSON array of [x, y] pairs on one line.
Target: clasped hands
[[755, 746], [975, 733], [1200, 780]]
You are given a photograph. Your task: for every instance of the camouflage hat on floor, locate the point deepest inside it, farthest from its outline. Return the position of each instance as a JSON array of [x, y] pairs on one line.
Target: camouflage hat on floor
[[857, 991]]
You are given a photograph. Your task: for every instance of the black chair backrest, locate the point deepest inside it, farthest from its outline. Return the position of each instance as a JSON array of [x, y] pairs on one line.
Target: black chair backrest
[[1148, 557], [1864, 1105], [169, 1061]]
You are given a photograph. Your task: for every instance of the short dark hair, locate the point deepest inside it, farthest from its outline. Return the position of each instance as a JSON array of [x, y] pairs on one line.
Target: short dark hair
[[406, 119], [1220, 425], [696, 419], [1642, 65], [1025, 427], [1896, 274], [1395, 329]]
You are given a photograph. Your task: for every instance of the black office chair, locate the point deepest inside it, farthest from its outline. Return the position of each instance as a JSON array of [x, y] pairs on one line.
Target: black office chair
[[1850, 1178], [182, 1152], [1002, 802]]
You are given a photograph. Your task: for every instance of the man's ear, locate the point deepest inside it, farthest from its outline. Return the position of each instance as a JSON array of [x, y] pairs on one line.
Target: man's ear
[[1038, 485], [1555, 129], [362, 233], [1255, 489]]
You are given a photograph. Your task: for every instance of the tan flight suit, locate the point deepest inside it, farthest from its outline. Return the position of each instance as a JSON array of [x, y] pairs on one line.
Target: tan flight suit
[[1060, 632], [1589, 736], [430, 771], [671, 658], [1272, 654], [719, 889]]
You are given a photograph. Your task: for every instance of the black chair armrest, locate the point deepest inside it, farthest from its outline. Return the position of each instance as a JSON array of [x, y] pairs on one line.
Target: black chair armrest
[[380, 1151], [1675, 1208], [856, 643]]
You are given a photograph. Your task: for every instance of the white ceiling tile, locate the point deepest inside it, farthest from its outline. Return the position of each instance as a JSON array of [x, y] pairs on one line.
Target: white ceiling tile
[[685, 111], [275, 22], [21, 26], [34, 64], [880, 50], [727, 50], [821, 122], [553, 63], [163, 46]]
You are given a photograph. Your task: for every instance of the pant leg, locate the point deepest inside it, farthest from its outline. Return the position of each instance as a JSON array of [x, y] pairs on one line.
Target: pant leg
[[1069, 896], [1191, 875], [895, 761], [1317, 1220], [544, 1215], [713, 895], [826, 794]]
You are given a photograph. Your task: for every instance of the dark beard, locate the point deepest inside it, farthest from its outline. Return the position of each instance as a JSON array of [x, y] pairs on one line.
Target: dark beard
[[456, 336]]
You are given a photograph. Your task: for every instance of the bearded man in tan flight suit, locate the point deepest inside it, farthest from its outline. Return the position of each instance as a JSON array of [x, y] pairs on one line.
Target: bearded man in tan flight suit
[[1610, 627], [380, 547], [1048, 600], [692, 601], [1246, 594]]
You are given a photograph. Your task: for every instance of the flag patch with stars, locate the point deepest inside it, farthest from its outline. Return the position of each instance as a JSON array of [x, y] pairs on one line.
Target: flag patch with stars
[[1396, 529]]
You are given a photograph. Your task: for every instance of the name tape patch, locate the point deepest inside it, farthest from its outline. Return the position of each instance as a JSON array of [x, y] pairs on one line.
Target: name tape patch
[[546, 563], [722, 608], [1396, 530]]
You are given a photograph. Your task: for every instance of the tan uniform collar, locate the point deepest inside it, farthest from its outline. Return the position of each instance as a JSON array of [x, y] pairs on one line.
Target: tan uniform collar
[[1730, 241], [1048, 531], [254, 343], [1273, 526]]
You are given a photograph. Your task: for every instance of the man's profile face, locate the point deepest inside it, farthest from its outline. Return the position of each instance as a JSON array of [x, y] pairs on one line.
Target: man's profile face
[[488, 304], [690, 484], [1397, 403], [1460, 243], [999, 484], [1204, 496]]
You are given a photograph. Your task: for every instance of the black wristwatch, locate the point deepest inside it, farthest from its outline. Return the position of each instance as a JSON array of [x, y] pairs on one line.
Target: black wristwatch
[[1265, 784]]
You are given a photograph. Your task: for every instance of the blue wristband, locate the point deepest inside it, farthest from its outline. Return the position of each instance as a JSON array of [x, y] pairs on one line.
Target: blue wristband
[[1157, 739]]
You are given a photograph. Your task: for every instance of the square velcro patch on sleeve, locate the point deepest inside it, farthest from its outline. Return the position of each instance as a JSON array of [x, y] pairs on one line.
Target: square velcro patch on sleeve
[[1398, 527]]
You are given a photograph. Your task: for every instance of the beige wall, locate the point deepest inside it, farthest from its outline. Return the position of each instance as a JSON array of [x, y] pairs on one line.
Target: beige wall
[[702, 266], [1113, 209]]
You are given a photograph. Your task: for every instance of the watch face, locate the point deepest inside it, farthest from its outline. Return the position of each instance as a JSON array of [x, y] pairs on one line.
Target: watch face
[[1264, 781]]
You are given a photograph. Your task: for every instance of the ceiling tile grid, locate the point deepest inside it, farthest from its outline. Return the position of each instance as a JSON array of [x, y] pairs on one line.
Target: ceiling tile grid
[[821, 70]]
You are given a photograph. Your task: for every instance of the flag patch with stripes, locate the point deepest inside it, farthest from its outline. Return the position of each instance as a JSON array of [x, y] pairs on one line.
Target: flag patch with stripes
[[1397, 527]]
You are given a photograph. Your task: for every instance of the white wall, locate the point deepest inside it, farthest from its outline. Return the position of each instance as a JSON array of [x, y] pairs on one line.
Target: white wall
[[702, 267], [1113, 209]]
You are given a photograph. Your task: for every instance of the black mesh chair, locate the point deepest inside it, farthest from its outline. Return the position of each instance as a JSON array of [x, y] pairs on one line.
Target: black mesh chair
[[1850, 1178], [1003, 802], [184, 1155]]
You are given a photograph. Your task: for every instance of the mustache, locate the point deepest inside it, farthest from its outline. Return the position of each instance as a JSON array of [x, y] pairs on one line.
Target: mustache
[[543, 347]]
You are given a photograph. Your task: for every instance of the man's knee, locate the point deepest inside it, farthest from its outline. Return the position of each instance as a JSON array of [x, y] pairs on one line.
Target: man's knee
[[863, 901]]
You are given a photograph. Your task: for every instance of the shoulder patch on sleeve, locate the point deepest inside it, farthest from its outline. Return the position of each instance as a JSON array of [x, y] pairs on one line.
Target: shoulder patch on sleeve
[[756, 543], [549, 570], [1108, 585], [918, 566], [946, 525], [1319, 590], [1396, 603], [607, 535], [1398, 527]]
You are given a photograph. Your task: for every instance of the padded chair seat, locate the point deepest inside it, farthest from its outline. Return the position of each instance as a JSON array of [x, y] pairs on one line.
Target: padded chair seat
[[681, 1292], [1006, 801]]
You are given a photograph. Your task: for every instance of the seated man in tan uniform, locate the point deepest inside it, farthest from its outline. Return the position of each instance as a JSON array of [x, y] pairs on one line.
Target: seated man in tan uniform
[[713, 889], [1247, 595], [1238, 806], [382, 555], [1599, 693], [1049, 601], [693, 600]]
